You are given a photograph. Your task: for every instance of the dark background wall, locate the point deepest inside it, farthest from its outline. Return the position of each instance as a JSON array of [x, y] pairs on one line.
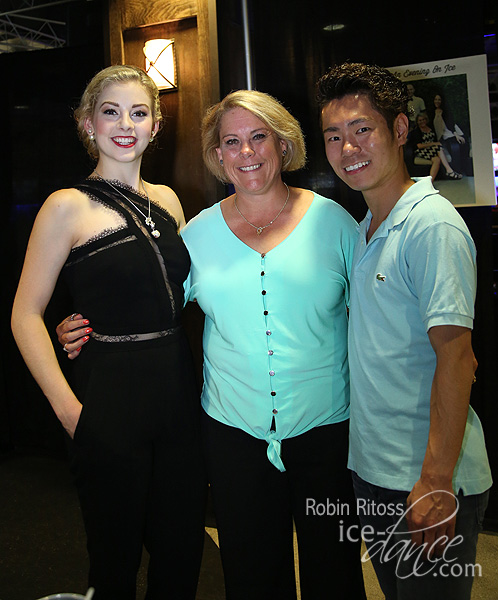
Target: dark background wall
[[290, 49], [40, 152]]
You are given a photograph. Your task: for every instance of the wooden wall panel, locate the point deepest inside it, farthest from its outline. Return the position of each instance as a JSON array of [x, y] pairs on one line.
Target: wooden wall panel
[[138, 12], [208, 57], [114, 30]]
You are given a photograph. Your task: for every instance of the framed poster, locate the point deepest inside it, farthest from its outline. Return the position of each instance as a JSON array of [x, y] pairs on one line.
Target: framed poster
[[452, 97]]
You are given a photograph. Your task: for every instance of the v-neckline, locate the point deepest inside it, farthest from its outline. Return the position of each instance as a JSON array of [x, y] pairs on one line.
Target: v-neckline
[[236, 237]]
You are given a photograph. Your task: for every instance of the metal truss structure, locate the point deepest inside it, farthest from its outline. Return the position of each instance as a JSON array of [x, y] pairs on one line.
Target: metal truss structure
[[32, 24]]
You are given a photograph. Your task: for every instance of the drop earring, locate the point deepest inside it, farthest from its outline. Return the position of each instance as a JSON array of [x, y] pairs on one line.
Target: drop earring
[[284, 153], [90, 135], [221, 162]]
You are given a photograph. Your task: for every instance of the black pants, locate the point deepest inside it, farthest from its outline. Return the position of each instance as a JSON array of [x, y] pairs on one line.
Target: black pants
[[139, 469], [255, 505]]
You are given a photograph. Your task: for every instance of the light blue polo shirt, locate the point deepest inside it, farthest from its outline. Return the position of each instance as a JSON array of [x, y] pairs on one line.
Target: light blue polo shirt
[[275, 333], [417, 271]]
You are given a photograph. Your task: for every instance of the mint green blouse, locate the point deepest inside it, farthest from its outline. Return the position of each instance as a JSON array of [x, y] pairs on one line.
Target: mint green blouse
[[275, 334]]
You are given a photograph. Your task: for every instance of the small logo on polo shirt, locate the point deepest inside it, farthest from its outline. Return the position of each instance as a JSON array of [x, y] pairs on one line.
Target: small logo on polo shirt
[[380, 277]]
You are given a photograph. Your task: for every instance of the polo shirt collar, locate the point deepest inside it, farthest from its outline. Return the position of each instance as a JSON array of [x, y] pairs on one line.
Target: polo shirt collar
[[414, 194]]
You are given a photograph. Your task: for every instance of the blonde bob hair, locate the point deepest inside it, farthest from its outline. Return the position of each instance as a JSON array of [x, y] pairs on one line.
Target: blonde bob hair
[[108, 76], [270, 111]]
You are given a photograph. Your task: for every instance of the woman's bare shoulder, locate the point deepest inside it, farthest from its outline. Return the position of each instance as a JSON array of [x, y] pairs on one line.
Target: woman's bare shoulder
[[66, 198], [58, 223], [65, 203]]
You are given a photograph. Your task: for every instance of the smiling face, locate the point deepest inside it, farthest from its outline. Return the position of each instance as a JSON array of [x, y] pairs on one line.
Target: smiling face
[[251, 152], [422, 120], [360, 147], [438, 101], [122, 122]]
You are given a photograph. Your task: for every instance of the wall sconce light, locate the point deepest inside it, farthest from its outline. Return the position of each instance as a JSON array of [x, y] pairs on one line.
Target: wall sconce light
[[160, 63]]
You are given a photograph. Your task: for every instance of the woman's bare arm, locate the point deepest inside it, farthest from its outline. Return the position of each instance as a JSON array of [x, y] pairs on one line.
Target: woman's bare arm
[[54, 233]]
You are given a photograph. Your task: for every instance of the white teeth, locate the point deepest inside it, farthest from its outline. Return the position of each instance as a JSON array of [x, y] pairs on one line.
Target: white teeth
[[251, 168], [357, 166], [124, 140]]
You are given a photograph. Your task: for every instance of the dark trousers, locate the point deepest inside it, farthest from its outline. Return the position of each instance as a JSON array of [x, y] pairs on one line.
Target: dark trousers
[[255, 506], [140, 473]]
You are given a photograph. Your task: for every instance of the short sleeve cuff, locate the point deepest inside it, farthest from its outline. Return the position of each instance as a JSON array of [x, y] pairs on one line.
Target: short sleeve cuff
[[451, 319]]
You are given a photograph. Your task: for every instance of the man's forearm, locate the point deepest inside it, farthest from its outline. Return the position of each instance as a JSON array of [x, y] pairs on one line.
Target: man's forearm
[[450, 396]]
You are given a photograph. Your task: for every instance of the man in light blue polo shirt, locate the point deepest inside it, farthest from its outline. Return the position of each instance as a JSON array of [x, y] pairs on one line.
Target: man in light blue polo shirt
[[417, 449]]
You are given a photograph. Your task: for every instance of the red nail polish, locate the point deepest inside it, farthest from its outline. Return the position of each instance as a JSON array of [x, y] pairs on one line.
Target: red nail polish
[[89, 330], [86, 322], [86, 338]]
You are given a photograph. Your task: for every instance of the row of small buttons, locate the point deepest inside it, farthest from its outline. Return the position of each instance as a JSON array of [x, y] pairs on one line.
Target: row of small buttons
[[271, 370]]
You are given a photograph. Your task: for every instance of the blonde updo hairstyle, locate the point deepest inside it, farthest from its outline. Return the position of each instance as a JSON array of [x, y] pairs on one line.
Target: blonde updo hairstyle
[[270, 111], [108, 76]]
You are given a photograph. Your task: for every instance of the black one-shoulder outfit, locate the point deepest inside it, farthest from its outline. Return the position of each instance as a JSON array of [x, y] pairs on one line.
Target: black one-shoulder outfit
[[137, 458]]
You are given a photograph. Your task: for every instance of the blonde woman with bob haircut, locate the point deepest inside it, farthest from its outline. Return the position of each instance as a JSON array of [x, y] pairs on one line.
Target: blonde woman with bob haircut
[[270, 268], [270, 112], [132, 406]]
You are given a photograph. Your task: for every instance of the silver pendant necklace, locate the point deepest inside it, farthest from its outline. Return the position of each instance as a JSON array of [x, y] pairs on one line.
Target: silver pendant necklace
[[259, 230], [148, 219]]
